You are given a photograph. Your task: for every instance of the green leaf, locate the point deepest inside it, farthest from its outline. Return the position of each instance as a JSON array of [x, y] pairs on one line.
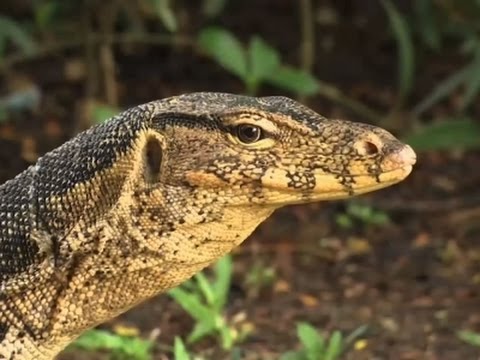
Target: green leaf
[[206, 288], [131, 348], [405, 47], [180, 351], [469, 337], [166, 14], [297, 81], [191, 304], [101, 113], [293, 355], [15, 33], [462, 133], [443, 89], [312, 341], [227, 337], [335, 347], [221, 287], [263, 61], [202, 329], [344, 221], [225, 49]]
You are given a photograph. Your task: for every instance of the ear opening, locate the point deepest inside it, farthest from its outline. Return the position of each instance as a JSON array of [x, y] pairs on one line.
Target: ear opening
[[153, 154]]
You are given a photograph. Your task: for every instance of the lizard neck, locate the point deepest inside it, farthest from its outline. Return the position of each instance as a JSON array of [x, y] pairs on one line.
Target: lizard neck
[[128, 263]]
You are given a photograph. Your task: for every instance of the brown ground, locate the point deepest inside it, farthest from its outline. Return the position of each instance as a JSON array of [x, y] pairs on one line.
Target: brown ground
[[414, 282]]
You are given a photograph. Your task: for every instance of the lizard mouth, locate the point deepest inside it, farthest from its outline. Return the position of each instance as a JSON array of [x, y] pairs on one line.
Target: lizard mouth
[[396, 166]]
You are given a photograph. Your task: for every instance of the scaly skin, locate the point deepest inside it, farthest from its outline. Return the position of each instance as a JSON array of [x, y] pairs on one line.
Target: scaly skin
[[135, 206]]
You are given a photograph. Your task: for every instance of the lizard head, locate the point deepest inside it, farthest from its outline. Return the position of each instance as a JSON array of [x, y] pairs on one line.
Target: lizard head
[[275, 151], [212, 167]]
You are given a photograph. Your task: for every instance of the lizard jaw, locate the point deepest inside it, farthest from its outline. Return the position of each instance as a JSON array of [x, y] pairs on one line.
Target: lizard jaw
[[396, 167]]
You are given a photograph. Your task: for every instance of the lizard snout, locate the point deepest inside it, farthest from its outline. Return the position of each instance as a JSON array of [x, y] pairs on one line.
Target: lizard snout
[[401, 157], [405, 156]]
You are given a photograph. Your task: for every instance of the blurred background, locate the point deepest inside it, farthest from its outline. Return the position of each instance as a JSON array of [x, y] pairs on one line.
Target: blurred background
[[392, 275]]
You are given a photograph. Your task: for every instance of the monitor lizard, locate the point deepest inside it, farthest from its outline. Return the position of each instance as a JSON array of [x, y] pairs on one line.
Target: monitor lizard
[[136, 205]]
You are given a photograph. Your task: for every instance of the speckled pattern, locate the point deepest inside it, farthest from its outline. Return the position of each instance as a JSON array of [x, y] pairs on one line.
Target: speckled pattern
[[135, 206]]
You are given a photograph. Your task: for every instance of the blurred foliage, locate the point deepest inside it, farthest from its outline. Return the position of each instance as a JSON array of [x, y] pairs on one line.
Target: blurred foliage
[[440, 26], [425, 30], [358, 214], [255, 64], [457, 133], [258, 277], [102, 112], [204, 300], [179, 350], [470, 337], [316, 346], [120, 347], [17, 34]]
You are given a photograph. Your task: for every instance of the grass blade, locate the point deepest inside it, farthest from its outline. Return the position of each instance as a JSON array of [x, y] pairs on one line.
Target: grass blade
[[443, 89], [205, 287], [191, 304], [179, 350], [221, 286], [334, 348], [201, 330]]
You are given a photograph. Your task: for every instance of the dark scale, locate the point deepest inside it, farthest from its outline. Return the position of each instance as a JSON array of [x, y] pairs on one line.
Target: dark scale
[[301, 180], [3, 331], [161, 121], [15, 228], [80, 161]]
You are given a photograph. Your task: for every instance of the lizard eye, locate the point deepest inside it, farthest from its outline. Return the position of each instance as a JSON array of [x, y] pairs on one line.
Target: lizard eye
[[248, 133]]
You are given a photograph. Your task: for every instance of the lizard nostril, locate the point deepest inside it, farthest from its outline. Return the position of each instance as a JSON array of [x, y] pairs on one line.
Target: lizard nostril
[[367, 148]]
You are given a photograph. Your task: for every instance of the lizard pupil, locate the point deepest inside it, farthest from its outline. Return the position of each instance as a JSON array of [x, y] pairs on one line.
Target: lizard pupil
[[248, 133]]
